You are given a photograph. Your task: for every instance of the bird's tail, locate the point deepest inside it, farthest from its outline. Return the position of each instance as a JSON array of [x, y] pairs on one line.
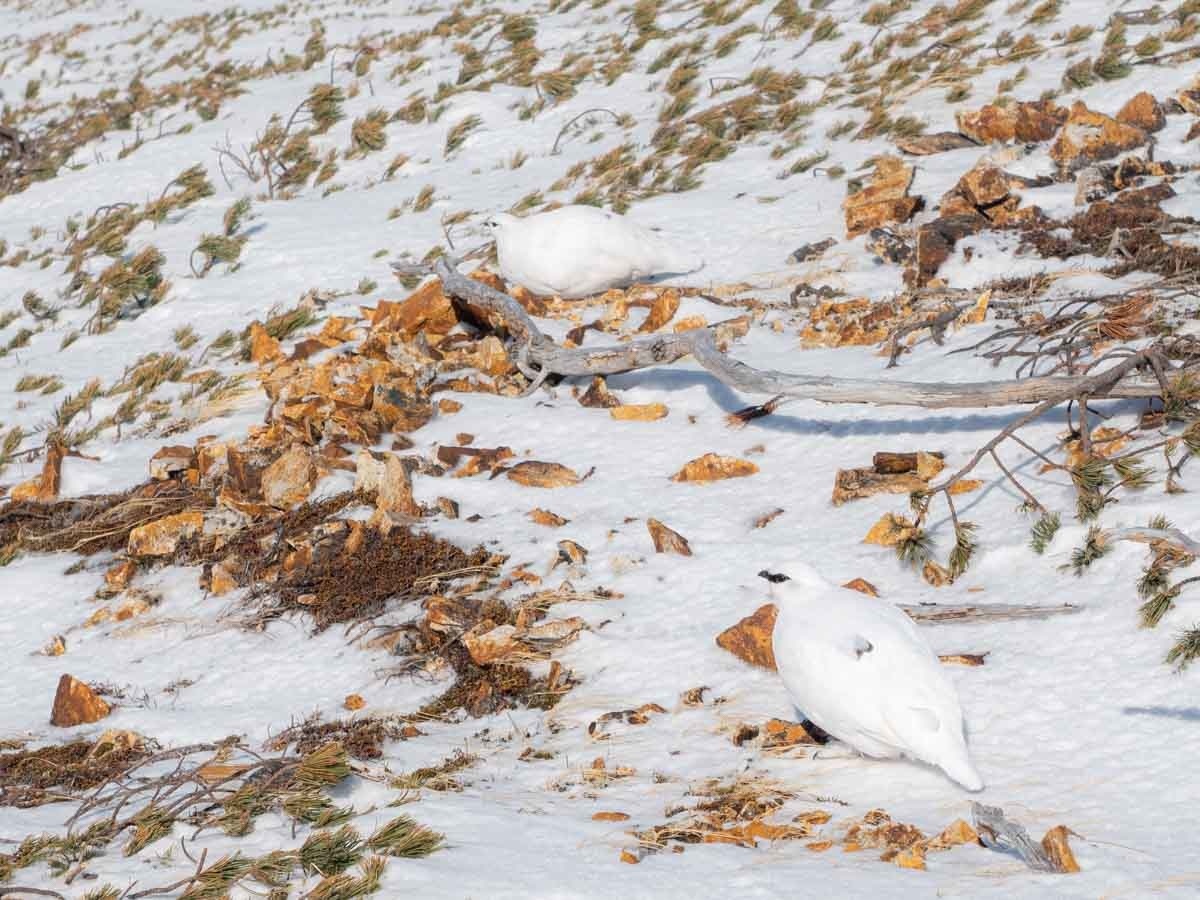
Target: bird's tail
[[960, 768]]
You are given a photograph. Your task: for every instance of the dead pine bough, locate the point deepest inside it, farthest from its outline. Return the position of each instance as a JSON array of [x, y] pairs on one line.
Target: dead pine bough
[[226, 786], [1159, 370]]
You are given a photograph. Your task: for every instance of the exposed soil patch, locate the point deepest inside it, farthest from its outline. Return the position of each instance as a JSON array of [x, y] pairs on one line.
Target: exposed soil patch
[[95, 523], [349, 583], [60, 772]]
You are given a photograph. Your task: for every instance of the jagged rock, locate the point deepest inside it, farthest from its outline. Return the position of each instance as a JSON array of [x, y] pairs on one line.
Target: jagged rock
[[289, 480], [1024, 122], [884, 200], [1089, 136], [750, 639], [1144, 112], [162, 536], [76, 704], [936, 241], [667, 540], [490, 643], [938, 142], [169, 461], [639, 412], [711, 467], [385, 475]]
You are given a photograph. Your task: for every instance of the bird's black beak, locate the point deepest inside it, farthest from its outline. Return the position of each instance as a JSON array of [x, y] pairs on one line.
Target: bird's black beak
[[773, 577]]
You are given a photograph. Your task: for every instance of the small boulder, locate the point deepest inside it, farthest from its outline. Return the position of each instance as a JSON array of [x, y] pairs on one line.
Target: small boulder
[[1144, 112], [289, 480], [1023, 122], [1089, 136], [76, 704], [162, 536], [884, 200], [750, 639]]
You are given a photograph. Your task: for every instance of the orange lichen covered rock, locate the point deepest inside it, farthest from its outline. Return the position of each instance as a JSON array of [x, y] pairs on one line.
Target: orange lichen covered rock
[[750, 639], [1024, 122], [76, 704], [1089, 136], [1142, 111], [884, 201], [712, 467]]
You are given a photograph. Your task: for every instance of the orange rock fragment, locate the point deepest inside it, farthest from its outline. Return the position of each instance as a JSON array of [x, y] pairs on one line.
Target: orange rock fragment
[[547, 518], [884, 200], [750, 639], [712, 467], [75, 703], [354, 702], [639, 412], [862, 586], [533, 473], [610, 817], [162, 536], [1058, 848], [662, 310], [263, 347], [667, 540]]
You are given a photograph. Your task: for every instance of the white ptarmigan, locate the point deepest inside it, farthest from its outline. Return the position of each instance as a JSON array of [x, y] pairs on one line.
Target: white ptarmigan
[[858, 668], [576, 251]]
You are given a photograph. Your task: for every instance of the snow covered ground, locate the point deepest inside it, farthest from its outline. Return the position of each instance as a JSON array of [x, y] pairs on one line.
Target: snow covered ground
[[1073, 720]]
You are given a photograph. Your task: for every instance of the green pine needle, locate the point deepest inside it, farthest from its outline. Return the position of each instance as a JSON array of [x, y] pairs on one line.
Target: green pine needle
[[1186, 649], [1157, 606], [964, 548], [1043, 532], [1094, 547]]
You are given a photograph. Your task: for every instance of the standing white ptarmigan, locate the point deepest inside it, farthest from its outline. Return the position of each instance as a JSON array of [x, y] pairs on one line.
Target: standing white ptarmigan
[[576, 251], [858, 668]]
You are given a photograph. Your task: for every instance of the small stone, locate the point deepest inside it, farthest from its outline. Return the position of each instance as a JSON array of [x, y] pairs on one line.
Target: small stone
[[162, 536], [170, 461], [263, 347], [1023, 122], [610, 817], [75, 703], [1144, 112], [221, 580], [1089, 136], [117, 578], [56, 647], [448, 407], [711, 467], [882, 201], [862, 586], [750, 639], [289, 480], [805, 252], [490, 643], [547, 518], [354, 702], [667, 540], [1058, 848], [639, 412]]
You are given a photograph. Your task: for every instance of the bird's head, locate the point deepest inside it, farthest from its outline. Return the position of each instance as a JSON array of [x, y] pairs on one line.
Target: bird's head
[[497, 222], [788, 575]]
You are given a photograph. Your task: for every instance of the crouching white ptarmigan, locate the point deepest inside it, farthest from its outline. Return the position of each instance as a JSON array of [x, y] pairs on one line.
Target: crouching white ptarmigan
[[858, 668], [576, 251]]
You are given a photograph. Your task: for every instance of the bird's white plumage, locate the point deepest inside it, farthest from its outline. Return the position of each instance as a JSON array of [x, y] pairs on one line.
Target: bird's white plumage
[[857, 667], [576, 251]]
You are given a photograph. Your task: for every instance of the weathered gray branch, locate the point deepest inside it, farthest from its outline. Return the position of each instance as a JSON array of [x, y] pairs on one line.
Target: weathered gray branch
[[1172, 537], [1003, 834], [538, 353], [937, 614]]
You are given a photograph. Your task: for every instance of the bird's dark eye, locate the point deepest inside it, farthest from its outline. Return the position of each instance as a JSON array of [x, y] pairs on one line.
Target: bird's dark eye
[[774, 577]]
